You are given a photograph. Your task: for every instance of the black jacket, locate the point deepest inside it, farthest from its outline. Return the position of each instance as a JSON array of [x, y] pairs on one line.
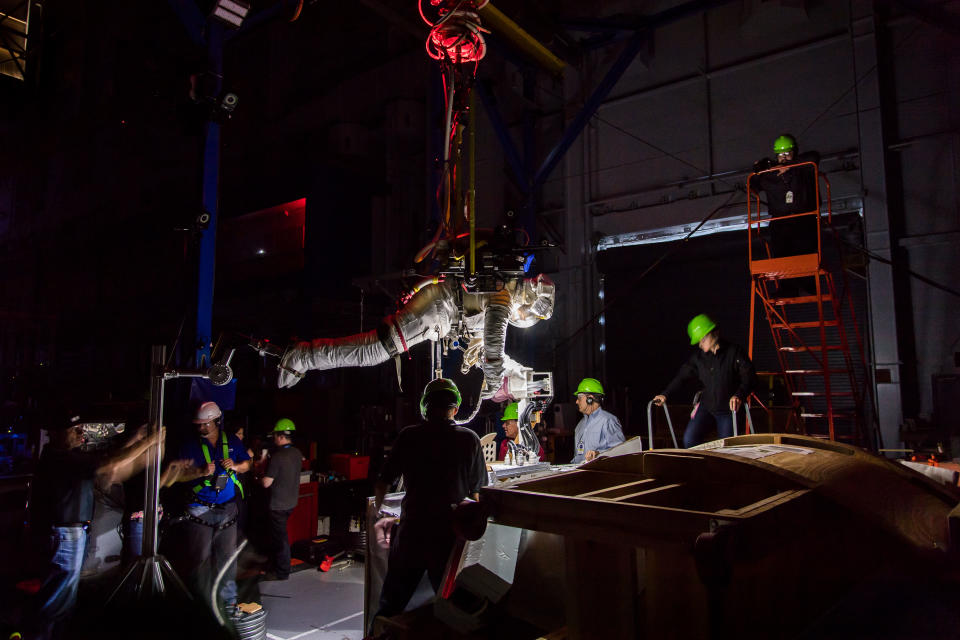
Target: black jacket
[[799, 182], [724, 374]]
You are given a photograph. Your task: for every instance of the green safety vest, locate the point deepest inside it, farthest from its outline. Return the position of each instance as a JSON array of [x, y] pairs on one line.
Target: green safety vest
[[197, 488]]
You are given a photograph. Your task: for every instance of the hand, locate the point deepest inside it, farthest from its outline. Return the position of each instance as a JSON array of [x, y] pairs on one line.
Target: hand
[[383, 529], [590, 455], [734, 403], [211, 468], [659, 400], [227, 464]]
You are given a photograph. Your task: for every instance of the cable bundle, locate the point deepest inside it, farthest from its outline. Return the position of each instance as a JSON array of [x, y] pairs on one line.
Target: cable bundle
[[457, 35]]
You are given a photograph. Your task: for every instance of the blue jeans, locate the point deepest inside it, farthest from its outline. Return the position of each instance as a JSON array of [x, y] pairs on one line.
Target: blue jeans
[[58, 596], [700, 424]]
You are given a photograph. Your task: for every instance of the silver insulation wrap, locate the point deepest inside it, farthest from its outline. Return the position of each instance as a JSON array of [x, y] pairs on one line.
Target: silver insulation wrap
[[494, 338]]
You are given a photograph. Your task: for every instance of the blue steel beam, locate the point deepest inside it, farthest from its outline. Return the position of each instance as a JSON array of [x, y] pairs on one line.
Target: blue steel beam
[[503, 135], [642, 28], [191, 17], [206, 265], [636, 43]]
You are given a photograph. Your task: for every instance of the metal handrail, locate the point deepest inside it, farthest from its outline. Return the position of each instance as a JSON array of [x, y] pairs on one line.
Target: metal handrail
[[650, 425]]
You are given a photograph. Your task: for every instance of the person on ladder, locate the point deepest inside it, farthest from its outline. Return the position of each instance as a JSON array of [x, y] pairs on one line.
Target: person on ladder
[[727, 376], [790, 190]]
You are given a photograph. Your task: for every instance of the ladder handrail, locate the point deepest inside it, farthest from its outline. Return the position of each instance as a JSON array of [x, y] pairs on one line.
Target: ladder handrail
[[650, 425]]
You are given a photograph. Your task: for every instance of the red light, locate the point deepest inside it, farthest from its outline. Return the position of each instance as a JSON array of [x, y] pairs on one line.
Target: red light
[[123, 122], [286, 213]]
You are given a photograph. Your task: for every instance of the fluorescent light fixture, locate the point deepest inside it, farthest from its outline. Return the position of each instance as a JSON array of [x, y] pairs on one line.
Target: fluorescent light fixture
[[231, 12], [842, 205]]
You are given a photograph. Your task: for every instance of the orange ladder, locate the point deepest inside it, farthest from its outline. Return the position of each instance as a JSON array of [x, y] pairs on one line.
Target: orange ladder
[[809, 333]]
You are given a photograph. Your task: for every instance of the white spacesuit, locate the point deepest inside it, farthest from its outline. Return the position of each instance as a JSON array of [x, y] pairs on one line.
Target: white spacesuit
[[433, 313]]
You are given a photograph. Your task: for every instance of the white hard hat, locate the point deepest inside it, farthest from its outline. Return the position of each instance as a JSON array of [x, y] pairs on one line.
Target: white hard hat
[[208, 412]]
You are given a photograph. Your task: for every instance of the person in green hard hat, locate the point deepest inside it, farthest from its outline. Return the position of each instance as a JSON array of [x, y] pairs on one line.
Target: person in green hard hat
[[789, 190], [511, 428], [598, 429], [442, 464], [727, 377], [282, 478]]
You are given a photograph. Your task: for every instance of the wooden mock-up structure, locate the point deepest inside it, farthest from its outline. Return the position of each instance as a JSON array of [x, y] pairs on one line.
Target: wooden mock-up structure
[[752, 536]]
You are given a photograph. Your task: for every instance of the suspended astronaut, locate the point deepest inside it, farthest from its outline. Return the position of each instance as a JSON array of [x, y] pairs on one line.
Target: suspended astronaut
[[477, 322]]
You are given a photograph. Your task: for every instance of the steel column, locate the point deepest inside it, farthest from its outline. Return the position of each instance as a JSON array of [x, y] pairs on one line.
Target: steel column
[[879, 229], [206, 263]]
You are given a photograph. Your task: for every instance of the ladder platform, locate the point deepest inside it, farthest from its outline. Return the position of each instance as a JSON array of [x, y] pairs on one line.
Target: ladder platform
[[813, 347], [805, 325], [824, 415], [800, 300], [807, 264]]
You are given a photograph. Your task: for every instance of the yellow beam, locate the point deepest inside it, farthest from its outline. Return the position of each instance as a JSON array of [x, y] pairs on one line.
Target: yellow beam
[[496, 21]]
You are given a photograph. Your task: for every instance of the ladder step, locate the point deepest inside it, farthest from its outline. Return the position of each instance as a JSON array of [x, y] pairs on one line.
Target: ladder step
[[804, 325], [800, 300], [820, 394], [823, 415], [814, 372], [814, 347]]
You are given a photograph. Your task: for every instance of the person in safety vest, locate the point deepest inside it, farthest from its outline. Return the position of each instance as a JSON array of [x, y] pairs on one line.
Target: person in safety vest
[[205, 538]]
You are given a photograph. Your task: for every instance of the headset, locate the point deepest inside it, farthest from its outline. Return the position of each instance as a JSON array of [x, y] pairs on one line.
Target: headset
[[589, 399]]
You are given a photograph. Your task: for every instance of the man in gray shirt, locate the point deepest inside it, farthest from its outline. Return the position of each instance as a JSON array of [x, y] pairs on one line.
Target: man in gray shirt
[[283, 479]]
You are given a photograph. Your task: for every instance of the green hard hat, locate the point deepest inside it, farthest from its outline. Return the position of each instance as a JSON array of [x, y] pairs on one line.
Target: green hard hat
[[284, 424], [700, 326], [511, 412], [784, 143], [589, 385], [440, 385]]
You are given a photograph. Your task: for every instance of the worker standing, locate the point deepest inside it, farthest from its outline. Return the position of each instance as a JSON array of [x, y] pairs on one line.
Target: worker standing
[[727, 376], [598, 429], [282, 478], [61, 509], [790, 188], [205, 539], [511, 428], [441, 464]]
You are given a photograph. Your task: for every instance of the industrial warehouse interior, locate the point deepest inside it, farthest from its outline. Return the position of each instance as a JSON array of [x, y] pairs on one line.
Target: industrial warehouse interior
[[513, 319]]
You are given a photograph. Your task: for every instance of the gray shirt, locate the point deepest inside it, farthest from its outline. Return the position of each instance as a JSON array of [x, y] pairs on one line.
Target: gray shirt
[[598, 432], [284, 468]]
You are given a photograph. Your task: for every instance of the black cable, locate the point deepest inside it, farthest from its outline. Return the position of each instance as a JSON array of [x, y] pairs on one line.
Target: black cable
[[856, 82], [674, 248], [920, 277]]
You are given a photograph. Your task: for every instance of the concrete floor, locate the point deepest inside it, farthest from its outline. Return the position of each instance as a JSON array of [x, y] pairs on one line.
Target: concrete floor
[[315, 606]]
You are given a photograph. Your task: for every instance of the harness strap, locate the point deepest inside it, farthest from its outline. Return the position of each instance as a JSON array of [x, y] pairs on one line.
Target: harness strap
[[226, 454]]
